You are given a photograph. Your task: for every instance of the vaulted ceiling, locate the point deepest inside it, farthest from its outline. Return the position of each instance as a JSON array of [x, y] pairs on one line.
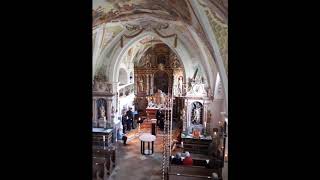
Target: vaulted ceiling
[[114, 17]]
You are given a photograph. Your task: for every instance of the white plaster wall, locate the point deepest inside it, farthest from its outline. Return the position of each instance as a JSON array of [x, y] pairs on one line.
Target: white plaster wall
[[216, 107]]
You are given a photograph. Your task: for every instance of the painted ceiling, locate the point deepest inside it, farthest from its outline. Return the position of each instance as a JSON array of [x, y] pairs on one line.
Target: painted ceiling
[[113, 10], [113, 16]]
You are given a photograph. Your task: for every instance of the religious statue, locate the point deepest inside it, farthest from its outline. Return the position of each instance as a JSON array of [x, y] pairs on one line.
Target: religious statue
[[183, 115], [140, 84], [102, 111], [148, 61], [159, 97], [196, 114]]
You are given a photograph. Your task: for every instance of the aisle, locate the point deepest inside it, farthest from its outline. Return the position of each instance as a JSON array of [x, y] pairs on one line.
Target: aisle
[[131, 164]]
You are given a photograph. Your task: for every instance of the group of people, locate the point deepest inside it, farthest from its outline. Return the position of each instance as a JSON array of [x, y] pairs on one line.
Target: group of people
[[214, 163], [178, 160], [127, 121]]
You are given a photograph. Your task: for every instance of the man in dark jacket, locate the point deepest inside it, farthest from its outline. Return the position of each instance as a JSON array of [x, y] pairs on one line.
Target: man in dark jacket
[[124, 123], [130, 117]]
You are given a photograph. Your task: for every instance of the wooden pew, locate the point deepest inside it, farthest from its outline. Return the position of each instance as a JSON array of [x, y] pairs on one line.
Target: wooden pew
[[197, 171], [108, 156], [98, 169]]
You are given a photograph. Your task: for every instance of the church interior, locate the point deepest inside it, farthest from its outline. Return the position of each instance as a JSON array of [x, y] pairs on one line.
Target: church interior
[[160, 89]]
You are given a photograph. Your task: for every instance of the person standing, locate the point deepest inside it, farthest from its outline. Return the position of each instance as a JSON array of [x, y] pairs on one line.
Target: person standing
[[124, 123], [130, 117]]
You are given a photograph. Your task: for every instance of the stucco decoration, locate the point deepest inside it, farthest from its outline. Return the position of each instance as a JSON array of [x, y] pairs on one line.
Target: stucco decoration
[[197, 83], [220, 31], [110, 33]]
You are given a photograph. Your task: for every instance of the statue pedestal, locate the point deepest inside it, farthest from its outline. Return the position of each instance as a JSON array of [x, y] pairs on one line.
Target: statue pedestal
[[102, 123]]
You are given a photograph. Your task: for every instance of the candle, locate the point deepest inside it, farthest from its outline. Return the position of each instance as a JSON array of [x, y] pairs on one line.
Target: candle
[[215, 133], [104, 138]]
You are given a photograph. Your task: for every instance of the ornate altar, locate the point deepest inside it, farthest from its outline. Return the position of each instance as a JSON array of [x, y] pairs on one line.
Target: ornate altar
[[199, 145]]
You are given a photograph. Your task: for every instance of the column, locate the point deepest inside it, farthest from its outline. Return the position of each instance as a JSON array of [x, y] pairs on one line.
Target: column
[[109, 106], [151, 82], [147, 88], [188, 110], [135, 84], [205, 116], [94, 109]]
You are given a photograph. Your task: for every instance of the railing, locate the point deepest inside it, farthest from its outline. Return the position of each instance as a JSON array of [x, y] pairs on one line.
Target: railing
[[126, 90]]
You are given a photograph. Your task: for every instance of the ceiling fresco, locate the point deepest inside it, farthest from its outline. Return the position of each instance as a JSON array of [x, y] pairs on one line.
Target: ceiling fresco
[[109, 10], [114, 16]]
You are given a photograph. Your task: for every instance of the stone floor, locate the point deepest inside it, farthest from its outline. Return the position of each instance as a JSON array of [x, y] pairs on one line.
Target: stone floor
[[131, 165]]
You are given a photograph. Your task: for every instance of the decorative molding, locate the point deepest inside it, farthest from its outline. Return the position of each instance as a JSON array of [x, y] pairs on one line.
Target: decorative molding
[[220, 31]]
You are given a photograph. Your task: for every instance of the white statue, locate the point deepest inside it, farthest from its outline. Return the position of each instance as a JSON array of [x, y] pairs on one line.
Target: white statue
[[183, 114], [102, 112], [159, 97], [196, 115]]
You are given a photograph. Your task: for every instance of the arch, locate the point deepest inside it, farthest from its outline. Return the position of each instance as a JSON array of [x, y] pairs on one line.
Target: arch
[[121, 52], [204, 59]]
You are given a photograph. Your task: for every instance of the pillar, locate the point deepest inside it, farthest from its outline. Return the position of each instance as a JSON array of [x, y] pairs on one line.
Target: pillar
[[151, 82], [135, 84], [205, 116], [147, 82], [188, 110], [109, 106], [94, 109]]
